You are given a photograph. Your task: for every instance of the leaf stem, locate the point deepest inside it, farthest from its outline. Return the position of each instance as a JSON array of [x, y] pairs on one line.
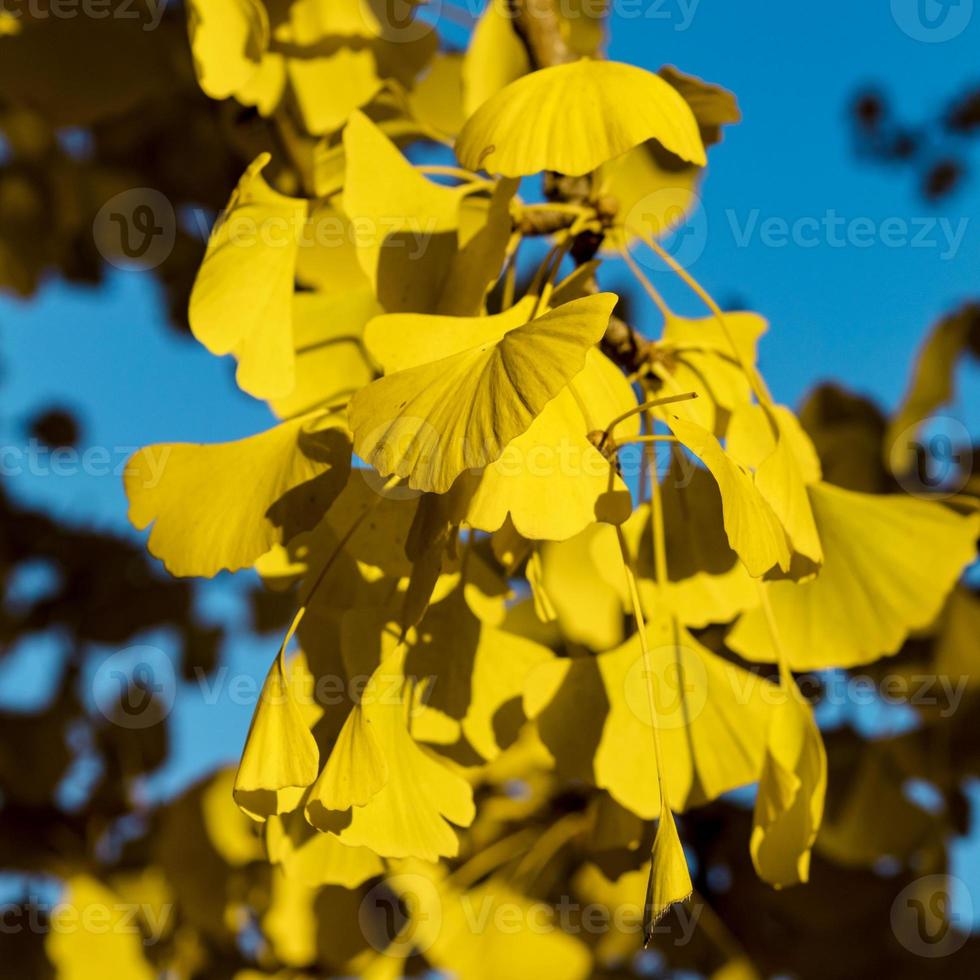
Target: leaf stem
[[492, 857], [440, 170], [647, 440], [638, 618], [653, 403], [785, 675], [642, 278], [752, 376]]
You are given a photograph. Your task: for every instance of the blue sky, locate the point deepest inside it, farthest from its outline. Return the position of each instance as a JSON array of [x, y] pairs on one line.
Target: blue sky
[[853, 313]]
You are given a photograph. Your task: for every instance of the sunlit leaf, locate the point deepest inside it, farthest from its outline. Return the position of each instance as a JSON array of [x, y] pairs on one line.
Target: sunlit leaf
[[573, 117]]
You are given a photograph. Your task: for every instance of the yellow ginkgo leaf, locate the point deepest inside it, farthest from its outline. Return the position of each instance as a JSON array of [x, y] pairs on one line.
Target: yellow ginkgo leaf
[[589, 607], [670, 879], [619, 942], [405, 225], [265, 87], [496, 56], [376, 546], [399, 341], [437, 98], [331, 362], [228, 40], [355, 771], [653, 190], [755, 431], [315, 858], [327, 262], [706, 582], [697, 355], [789, 804], [313, 20], [683, 335], [932, 384], [280, 751], [712, 105], [485, 230], [573, 117], [428, 424], [889, 563], [203, 522], [652, 197], [289, 921], [593, 714], [487, 932], [241, 303], [111, 947], [410, 815], [543, 606], [552, 480], [954, 646], [772, 441], [479, 673], [230, 831], [753, 529], [350, 76], [856, 836]]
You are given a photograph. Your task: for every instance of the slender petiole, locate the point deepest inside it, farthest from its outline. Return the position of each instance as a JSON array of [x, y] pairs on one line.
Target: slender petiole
[[654, 403], [642, 278], [637, 609], [641, 440], [440, 170], [748, 370], [492, 857], [785, 675]]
